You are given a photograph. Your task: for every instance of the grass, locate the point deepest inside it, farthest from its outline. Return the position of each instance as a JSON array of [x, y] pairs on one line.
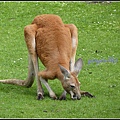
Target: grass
[[99, 39]]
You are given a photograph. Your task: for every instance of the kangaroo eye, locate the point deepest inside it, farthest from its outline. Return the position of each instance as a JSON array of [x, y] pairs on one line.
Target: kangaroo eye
[[72, 85]]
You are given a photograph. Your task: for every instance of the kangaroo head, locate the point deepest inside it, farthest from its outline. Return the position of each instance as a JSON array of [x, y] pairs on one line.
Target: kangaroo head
[[70, 81]]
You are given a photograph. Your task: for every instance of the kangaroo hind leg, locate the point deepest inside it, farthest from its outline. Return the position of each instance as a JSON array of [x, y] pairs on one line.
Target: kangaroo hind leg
[[29, 33], [74, 38]]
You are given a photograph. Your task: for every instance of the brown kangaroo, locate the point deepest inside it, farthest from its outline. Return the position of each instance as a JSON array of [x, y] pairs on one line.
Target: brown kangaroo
[[55, 44]]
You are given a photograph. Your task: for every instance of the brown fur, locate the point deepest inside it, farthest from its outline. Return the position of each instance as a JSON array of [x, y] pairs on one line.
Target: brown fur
[[55, 43]]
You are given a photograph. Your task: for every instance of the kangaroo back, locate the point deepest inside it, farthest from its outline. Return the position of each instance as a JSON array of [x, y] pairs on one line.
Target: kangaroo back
[[53, 42]]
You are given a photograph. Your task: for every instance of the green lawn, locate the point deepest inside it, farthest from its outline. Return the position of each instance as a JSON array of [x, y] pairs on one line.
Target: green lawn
[[99, 47]]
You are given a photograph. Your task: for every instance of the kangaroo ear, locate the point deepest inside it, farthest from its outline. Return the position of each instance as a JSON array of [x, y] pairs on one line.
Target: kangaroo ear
[[65, 72], [78, 66]]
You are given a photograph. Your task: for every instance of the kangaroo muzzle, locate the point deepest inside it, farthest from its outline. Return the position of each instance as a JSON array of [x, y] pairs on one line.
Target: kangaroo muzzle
[[75, 96]]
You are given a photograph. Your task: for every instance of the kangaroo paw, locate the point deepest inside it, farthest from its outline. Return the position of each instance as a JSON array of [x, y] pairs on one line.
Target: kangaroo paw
[[54, 98], [62, 97]]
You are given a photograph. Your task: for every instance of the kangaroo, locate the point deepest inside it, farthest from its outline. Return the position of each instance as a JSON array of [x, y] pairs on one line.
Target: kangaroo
[[55, 44]]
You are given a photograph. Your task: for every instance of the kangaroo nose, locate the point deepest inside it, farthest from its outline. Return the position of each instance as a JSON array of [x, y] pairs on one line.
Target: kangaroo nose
[[78, 98]]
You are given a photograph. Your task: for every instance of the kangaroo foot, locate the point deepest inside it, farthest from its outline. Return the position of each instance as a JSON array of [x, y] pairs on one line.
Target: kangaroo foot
[[40, 96], [83, 93]]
